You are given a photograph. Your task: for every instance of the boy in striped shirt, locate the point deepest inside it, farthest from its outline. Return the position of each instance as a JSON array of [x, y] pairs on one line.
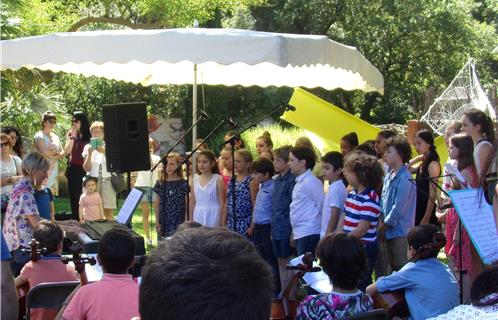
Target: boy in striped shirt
[[362, 209]]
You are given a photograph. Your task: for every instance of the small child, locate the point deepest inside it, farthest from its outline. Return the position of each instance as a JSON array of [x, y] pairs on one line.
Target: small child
[[115, 296], [430, 288], [91, 208], [170, 205], [226, 164], [45, 202], [333, 205], [343, 260], [364, 173], [49, 268], [307, 200], [240, 220], [264, 144], [398, 201], [208, 192]]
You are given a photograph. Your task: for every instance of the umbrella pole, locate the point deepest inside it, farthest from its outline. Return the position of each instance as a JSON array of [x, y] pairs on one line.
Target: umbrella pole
[[194, 119]]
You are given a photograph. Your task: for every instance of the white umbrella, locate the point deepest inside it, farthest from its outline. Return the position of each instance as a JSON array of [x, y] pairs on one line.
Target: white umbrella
[[178, 56]]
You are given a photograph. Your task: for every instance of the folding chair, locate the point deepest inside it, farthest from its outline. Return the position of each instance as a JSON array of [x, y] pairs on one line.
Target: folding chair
[[377, 314], [49, 295]]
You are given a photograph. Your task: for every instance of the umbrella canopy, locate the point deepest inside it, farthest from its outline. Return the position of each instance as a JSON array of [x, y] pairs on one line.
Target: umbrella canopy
[[222, 56]]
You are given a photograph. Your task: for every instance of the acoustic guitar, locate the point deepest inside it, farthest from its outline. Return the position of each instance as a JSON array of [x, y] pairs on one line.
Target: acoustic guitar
[[393, 302]]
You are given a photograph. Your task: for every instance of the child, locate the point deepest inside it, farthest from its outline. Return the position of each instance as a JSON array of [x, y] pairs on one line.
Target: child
[[240, 220], [430, 288], [348, 143], [44, 201], [343, 260], [226, 164], [398, 201], [333, 205], [170, 205], [307, 200], [115, 296], [364, 173], [261, 223], [146, 181], [90, 201], [208, 192], [264, 143], [49, 268], [280, 221]]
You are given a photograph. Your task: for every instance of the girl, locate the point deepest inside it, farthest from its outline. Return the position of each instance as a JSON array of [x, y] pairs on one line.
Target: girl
[[362, 209], [429, 168], [170, 205], [461, 150], [348, 143], [264, 144], [90, 201], [226, 165], [208, 192], [240, 220]]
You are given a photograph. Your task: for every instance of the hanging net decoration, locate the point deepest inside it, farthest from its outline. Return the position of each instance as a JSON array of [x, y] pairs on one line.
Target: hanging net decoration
[[463, 93]]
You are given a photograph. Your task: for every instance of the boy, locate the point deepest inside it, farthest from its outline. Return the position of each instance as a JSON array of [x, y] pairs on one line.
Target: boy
[[50, 268], [398, 201], [280, 220], [336, 195], [115, 296], [307, 200], [263, 171]]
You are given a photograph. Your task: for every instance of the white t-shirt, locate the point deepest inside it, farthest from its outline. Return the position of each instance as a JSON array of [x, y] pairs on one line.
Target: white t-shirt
[[98, 159], [335, 197], [9, 169], [144, 177]]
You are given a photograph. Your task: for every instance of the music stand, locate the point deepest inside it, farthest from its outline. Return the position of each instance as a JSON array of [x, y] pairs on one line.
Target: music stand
[[129, 206]]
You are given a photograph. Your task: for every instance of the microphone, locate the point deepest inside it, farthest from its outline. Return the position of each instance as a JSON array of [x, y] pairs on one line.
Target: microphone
[[202, 114], [288, 107], [231, 122]]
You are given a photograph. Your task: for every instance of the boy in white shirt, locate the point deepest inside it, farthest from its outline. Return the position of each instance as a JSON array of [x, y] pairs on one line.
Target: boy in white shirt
[[333, 205]]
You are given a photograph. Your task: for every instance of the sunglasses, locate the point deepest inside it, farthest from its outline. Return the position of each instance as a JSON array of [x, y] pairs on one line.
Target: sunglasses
[[4, 144]]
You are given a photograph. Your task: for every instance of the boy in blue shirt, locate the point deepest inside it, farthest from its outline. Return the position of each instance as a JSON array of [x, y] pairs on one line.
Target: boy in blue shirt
[[45, 202]]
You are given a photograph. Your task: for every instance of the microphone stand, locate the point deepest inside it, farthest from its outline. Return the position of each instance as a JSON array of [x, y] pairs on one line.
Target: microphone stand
[[233, 139], [434, 182]]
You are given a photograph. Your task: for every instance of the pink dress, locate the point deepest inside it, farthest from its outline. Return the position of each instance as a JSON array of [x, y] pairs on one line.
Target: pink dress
[[90, 202], [452, 243]]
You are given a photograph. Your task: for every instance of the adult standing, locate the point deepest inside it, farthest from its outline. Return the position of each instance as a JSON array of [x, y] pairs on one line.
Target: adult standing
[[76, 139], [96, 166], [22, 213], [47, 143], [17, 149], [10, 170]]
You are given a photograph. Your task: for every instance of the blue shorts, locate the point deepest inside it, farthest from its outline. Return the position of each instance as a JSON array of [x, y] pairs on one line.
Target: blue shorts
[[281, 248]]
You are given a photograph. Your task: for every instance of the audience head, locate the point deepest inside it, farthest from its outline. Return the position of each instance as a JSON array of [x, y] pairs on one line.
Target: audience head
[[332, 163], [397, 149], [15, 135], [243, 161], [50, 236], [348, 143], [361, 169], [343, 259], [206, 162], [462, 149], [239, 143], [484, 290], [264, 143], [380, 141], [368, 147], [35, 167], [476, 123], [424, 144], [172, 161], [188, 225], [263, 168], [199, 274], [81, 123], [48, 120], [304, 142], [116, 252], [281, 158], [453, 128], [424, 242], [301, 159]]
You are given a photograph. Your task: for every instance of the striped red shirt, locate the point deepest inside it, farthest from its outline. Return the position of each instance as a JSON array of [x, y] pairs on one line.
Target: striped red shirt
[[362, 206]]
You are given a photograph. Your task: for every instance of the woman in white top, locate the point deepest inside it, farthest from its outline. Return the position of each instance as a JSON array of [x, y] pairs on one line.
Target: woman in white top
[[10, 169], [96, 166], [47, 143]]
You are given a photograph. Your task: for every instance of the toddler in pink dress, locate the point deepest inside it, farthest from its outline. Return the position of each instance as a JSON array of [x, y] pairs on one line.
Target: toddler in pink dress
[[90, 201]]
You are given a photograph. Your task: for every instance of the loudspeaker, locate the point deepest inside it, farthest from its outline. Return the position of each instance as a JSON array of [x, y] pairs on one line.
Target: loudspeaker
[[126, 137]]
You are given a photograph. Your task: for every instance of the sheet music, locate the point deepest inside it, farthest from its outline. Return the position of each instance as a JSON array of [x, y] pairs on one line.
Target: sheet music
[[129, 205], [317, 280], [477, 217]]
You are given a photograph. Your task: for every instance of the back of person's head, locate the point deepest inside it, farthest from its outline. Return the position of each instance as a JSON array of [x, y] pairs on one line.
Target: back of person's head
[[367, 169], [303, 142], [49, 235], [426, 240], [334, 158], [282, 152], [402, 147], [352, 139], [343, 259], [484, 290], [263, 165], [368, 147], [116, 251], [34, 161], [305, 153], [205, 273], [188, 225]]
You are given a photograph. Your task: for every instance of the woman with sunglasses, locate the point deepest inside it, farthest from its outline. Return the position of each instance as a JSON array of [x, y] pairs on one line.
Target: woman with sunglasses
[[47, 143], [17, 148], [76, 139], [10, 168]]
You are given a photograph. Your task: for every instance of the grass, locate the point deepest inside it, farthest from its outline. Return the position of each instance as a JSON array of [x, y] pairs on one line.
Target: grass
[[62, 204]]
